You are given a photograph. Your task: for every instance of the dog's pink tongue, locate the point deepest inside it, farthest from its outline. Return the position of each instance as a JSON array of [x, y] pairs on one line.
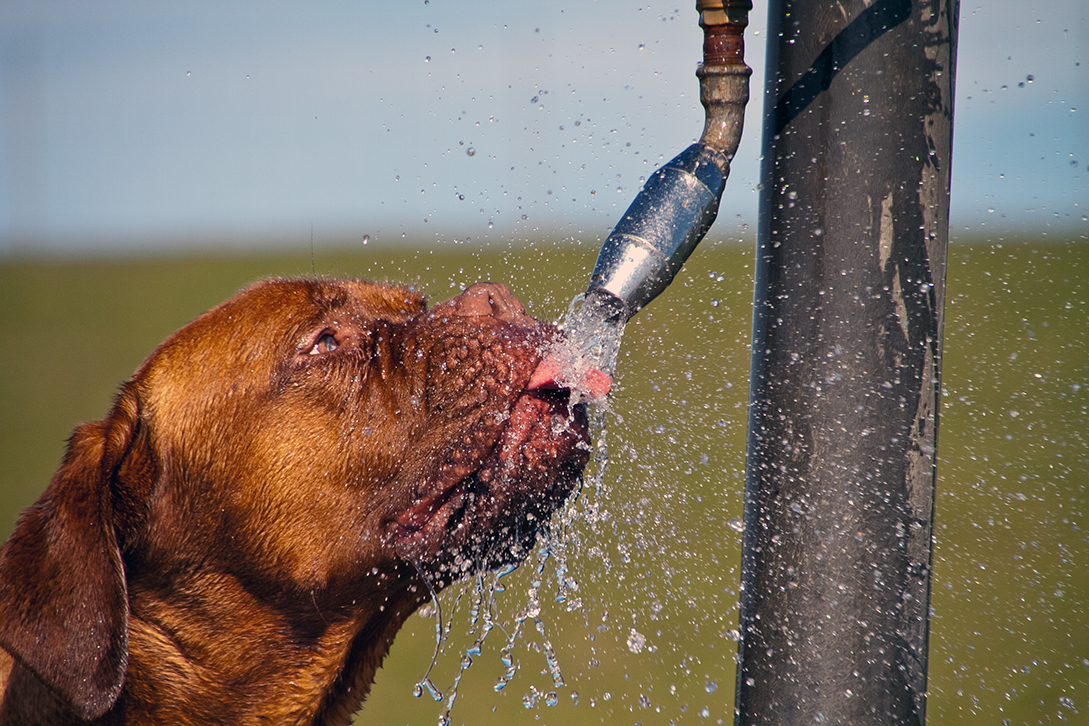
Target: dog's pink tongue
[[591, 382]]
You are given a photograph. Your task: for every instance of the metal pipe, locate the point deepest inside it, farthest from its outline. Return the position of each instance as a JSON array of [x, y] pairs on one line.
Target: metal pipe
[[724, 77], [846, 360], [679, 202]]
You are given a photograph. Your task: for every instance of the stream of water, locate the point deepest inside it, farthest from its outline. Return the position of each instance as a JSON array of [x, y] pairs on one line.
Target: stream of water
[[599, 351]]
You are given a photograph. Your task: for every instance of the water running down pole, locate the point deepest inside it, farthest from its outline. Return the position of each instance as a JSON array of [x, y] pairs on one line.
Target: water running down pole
[[846, 358]]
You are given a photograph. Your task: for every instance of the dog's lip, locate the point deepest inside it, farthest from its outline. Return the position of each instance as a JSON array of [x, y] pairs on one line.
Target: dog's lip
[[437, 509], [418, 517], [451, 495]]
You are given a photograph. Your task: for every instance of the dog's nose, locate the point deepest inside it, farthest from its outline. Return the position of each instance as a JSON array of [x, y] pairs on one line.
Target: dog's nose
[[491, 299], [494, 300]]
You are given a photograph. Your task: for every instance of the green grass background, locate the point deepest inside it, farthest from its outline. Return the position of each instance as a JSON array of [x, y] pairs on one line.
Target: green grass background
[[1010, 626]]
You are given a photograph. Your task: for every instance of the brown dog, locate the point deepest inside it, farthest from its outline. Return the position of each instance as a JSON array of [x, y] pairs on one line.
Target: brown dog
[[241, 537]]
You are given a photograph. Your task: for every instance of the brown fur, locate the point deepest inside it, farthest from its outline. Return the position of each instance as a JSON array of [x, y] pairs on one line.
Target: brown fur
[[240, 539]]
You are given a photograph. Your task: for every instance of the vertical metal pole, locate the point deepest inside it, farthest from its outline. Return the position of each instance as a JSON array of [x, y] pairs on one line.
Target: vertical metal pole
[[847, 333]]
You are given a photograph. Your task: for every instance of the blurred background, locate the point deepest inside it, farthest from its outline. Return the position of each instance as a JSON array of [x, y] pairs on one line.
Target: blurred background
[[154, 158]]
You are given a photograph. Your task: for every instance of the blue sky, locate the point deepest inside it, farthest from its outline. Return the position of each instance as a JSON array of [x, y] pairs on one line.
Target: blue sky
[[130, 125]]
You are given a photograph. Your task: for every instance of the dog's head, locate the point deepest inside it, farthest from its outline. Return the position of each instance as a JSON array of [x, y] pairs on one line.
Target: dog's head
[[348, 422], [302, 437]]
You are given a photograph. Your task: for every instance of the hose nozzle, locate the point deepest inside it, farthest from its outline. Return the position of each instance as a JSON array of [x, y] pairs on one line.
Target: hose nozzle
[[662, 226], [679, 202], [647, 248]]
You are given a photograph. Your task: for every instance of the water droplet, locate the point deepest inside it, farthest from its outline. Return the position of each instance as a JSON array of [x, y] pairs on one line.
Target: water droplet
[[427, 59], [737, 525], [636, 641], [470, 151], [705, 712], [432, 691], [553, 665], [551, 699], [711, 686], [366, 238]]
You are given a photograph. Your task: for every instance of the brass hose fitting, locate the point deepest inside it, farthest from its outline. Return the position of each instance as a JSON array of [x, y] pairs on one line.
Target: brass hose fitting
[[723, 75]]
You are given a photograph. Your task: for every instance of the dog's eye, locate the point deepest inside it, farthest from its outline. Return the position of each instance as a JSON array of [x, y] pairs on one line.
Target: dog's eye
[[327, 343]]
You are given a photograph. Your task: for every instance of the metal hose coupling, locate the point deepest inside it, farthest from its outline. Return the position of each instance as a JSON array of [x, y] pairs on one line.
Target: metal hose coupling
[[724, 77], [662, 226], [639, 260]]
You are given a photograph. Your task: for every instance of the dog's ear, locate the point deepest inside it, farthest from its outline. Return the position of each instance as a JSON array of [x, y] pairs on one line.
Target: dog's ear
[[63, 600]]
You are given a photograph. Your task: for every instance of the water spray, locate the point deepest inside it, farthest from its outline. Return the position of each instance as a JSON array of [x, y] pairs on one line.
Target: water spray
[[676, 206]]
